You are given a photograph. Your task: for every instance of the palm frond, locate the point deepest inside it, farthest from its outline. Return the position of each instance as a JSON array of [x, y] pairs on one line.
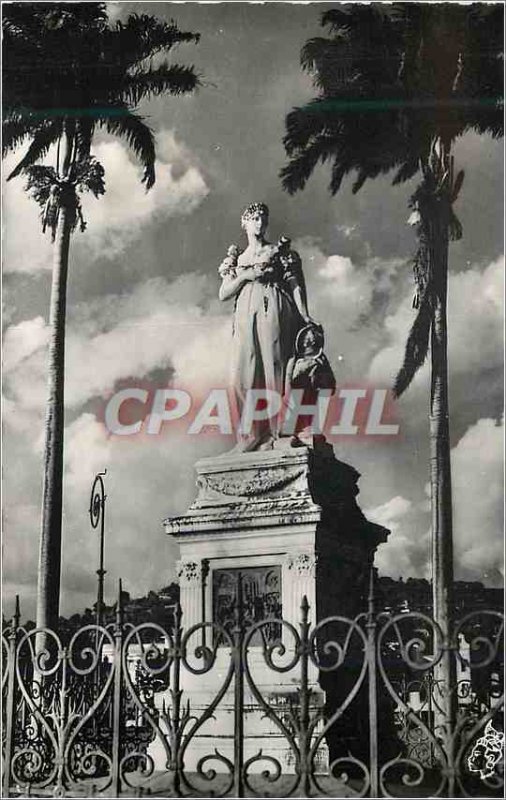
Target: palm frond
[[84, 136], [295, 174], [173, 79], [139, 136], [317, 49], [15, 130], [457, 186], [40, 181], [360, 180], [337, 18], [386, 80], [299, 168], [142, 36], [21, 24], [45, 135], [406, 171], [455, 230], [303, 124], [89, 176], [339, 171], [64, 66], [417, 346]]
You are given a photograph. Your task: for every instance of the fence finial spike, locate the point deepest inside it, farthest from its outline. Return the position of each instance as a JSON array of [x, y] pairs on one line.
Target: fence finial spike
[[17, 613], [370, 596], [119, 604], [304, 607]]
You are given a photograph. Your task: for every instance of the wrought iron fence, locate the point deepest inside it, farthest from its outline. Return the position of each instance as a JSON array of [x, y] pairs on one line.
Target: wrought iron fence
[[346, 707]]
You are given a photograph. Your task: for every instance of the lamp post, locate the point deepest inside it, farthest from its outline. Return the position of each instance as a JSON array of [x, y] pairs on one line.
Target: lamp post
[[97, 517]]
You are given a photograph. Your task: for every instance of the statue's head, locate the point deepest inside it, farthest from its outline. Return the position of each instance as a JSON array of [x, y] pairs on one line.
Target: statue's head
[[256, 215], [309, 340]]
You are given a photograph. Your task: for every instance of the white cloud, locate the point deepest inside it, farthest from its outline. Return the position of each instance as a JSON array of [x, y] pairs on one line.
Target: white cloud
[[115, 10], [406, 552], [160, 325], [116, 219], [478, 490], [391, 511], [475, 326], [159, 474], [181, 329], [335, 284], [25, 248], [148, 478], [123, 212], [341, 296], [348, 231], [22, 340], [25, 386]]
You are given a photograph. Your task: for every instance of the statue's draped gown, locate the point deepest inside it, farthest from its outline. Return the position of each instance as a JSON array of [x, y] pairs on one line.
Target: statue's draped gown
[[266, 321]]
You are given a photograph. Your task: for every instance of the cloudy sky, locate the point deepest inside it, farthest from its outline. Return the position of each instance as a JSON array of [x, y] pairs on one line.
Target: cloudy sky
[[143, 309]]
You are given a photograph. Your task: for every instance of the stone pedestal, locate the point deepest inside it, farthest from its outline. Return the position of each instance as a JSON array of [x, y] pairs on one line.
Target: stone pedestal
[[292, 512]]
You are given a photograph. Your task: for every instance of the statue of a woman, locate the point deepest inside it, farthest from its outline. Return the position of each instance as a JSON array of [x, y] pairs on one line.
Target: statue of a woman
[[267, 283]]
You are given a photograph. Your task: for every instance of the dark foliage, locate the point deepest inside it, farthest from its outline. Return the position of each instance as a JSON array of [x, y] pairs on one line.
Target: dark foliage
[[67, 70], [397, 84]]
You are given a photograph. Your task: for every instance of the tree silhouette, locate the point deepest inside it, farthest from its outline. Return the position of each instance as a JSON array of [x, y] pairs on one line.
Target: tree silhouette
[[397, 85], [68, 73]]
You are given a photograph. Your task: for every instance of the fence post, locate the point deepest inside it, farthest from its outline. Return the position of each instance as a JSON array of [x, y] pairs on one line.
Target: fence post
[[60, 761], [10, 703], [304, 742], [175, 711], [116, 707], [372, 684], [237, 655], [204, 576], [450, 673]]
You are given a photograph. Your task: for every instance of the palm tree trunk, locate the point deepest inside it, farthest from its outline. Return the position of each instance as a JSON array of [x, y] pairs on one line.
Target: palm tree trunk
[[440, 475], [48, 579], [48, 585]]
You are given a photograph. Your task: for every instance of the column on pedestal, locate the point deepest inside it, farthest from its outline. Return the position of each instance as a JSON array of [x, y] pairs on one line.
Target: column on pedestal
[[191, 575], [299, 575]]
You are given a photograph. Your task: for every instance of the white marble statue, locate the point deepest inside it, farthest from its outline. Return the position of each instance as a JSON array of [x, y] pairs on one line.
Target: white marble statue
[[267, 283]]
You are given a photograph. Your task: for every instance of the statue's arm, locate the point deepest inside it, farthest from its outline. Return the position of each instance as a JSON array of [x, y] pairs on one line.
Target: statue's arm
[[294, 277], [232, 284], [299, 297], [324, 375], [289, 374]]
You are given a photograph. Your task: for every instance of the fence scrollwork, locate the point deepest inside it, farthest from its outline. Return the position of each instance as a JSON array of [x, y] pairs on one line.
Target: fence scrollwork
[[273, 708]]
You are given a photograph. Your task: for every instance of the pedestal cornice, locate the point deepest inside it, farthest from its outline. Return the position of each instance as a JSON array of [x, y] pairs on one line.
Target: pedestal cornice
[[298, 488]]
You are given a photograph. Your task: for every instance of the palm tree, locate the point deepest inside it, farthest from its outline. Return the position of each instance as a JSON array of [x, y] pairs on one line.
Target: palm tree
[[67, 74], [396, 86]]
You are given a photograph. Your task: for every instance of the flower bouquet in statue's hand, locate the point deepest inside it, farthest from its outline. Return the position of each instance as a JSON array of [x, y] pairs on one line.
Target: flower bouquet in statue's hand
[[261, 272], [229, 264]]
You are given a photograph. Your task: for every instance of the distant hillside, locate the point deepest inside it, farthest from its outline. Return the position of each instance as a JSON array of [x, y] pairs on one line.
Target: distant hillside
[[413, 594]]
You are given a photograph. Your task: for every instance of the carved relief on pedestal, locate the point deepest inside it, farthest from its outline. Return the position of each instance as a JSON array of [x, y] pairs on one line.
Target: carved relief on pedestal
[[302, 564], [189, 572], [250, 483]]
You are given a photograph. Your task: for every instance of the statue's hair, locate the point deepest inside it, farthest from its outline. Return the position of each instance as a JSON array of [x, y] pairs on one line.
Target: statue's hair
[[252, 209]]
